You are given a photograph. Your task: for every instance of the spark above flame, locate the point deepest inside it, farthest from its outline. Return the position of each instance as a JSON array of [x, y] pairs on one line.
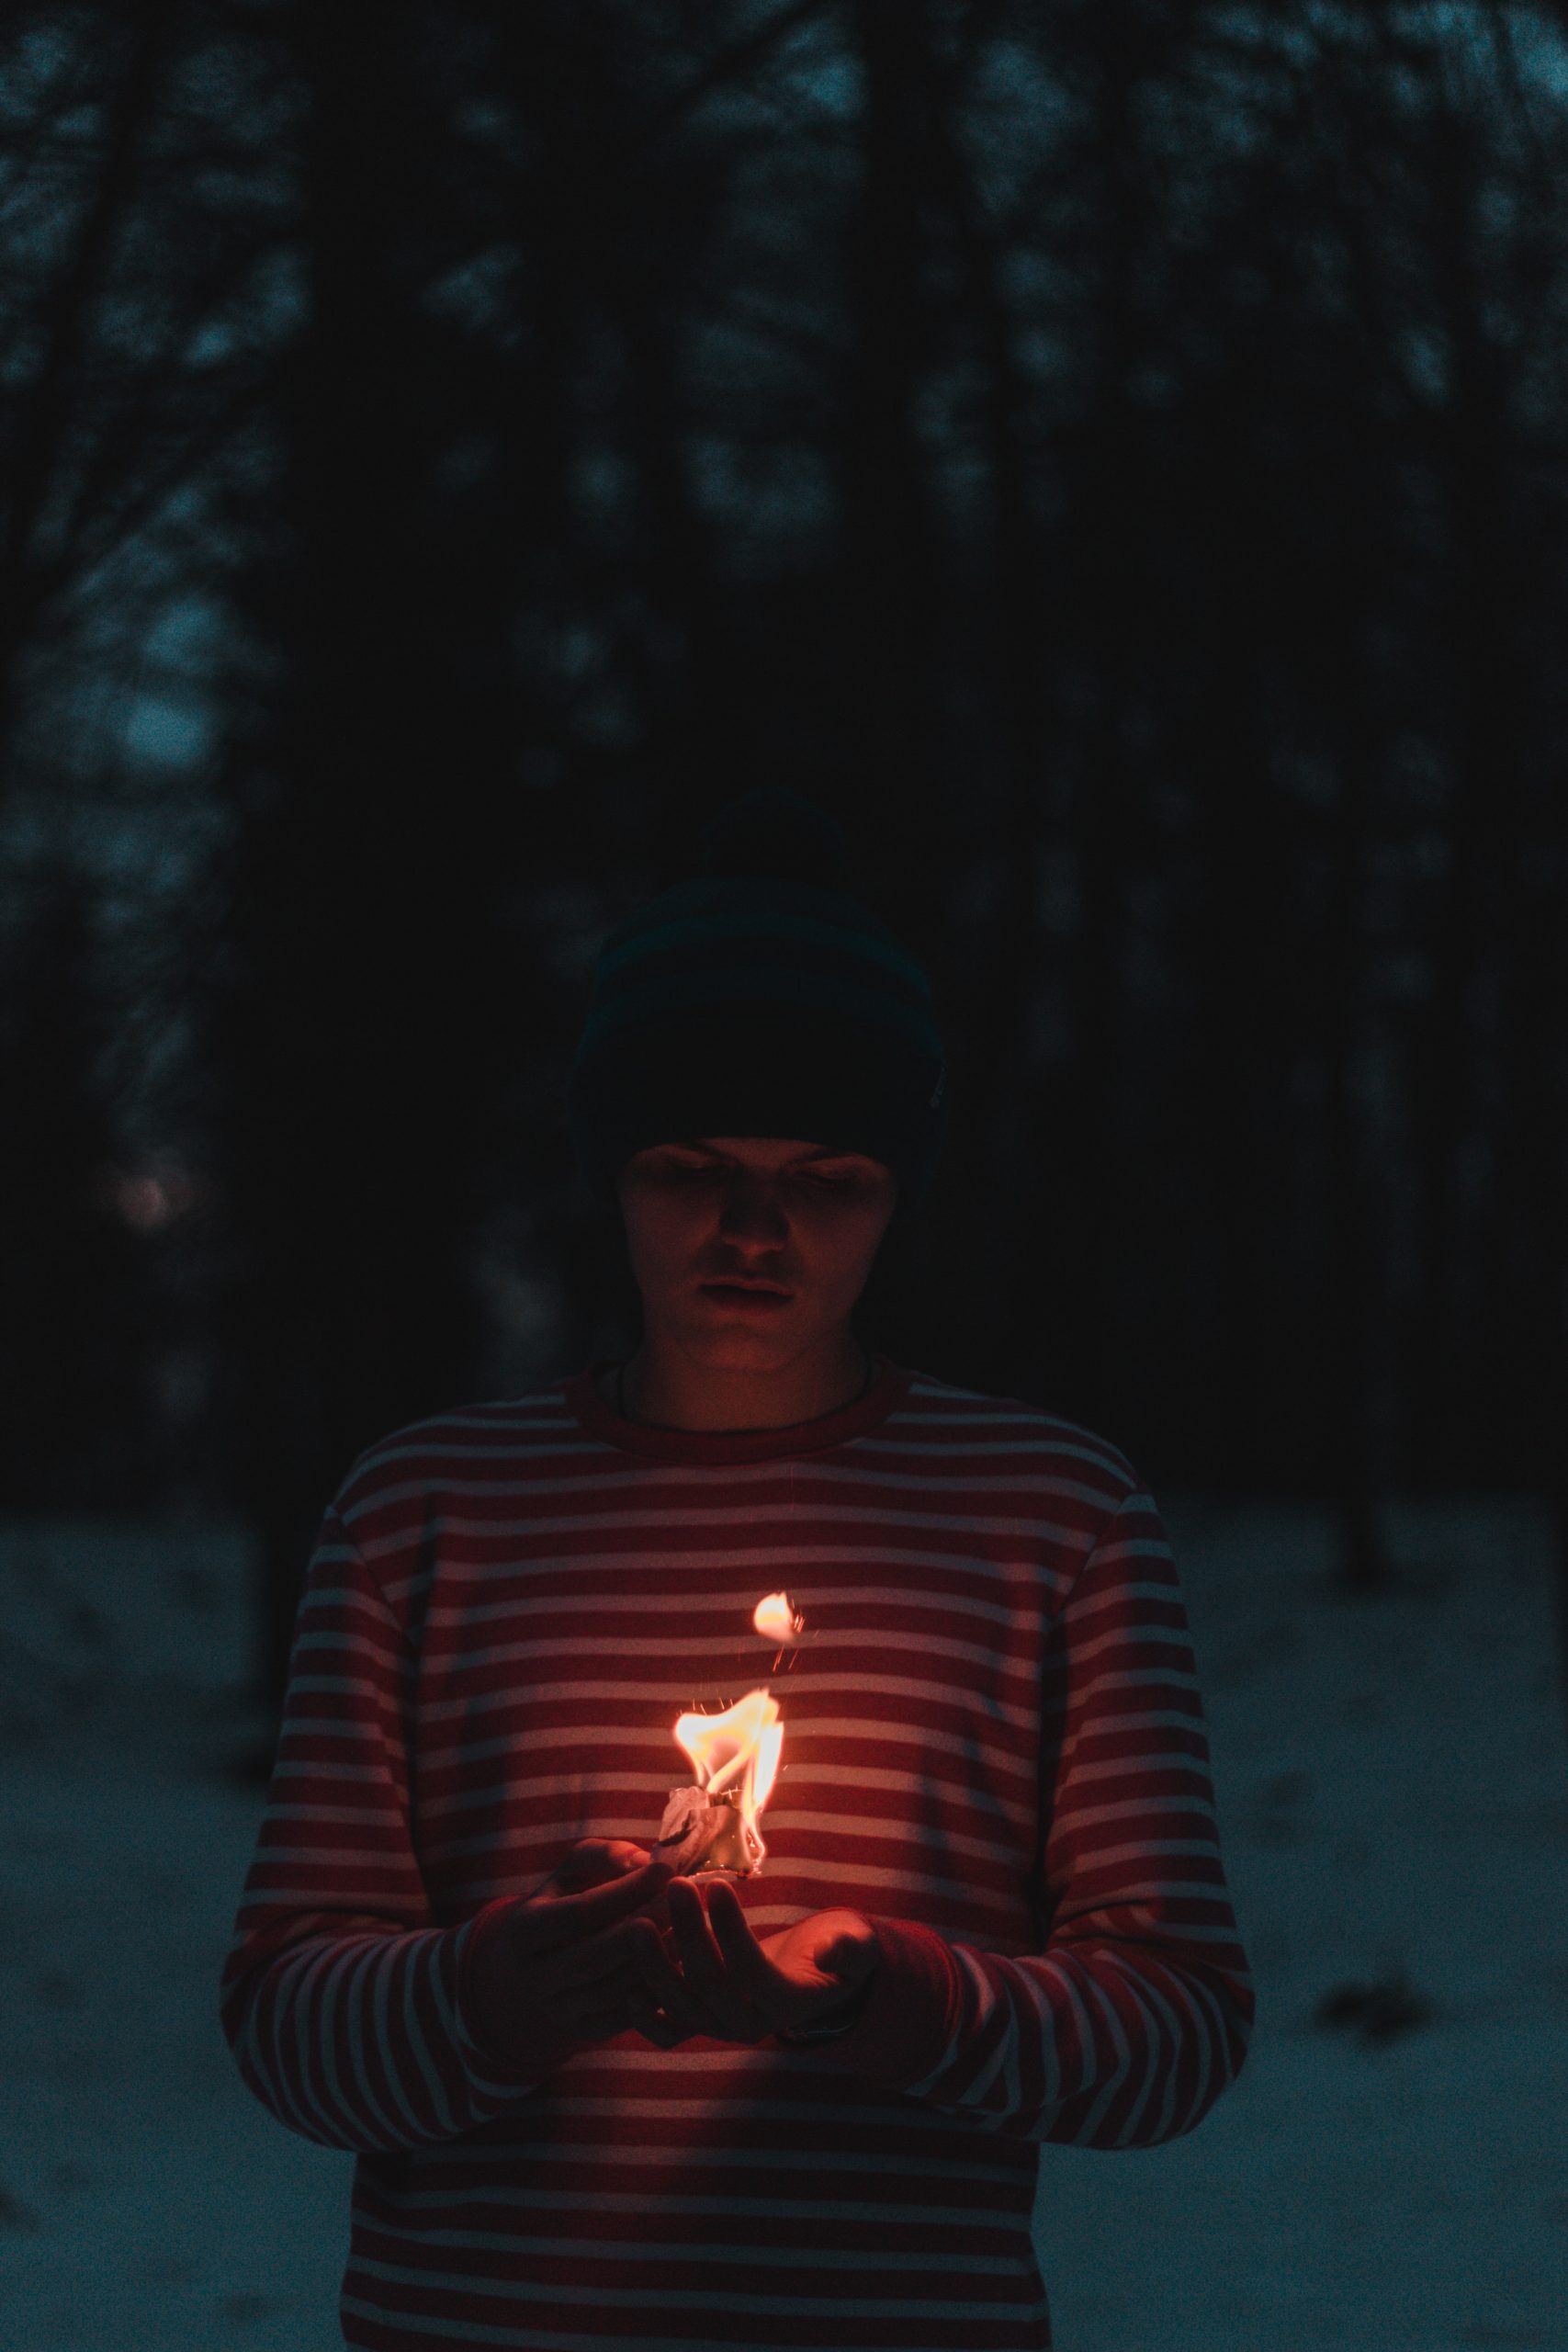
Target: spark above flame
[[776, 1618]]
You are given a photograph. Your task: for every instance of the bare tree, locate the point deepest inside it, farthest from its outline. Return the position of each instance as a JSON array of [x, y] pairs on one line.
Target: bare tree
[[134, 330]]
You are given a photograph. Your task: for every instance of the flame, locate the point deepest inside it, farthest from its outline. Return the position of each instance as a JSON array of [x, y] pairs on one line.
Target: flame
[[776, 1618], [736, 1755]]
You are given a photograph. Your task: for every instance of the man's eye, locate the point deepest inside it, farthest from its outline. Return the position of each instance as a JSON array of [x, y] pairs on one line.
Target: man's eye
[[704, 1168]]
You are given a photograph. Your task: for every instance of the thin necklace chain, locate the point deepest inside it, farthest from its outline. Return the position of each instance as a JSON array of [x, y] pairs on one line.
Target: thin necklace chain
[[620, 1384]]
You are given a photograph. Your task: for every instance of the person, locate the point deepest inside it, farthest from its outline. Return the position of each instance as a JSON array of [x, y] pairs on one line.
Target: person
[[595, 2102]]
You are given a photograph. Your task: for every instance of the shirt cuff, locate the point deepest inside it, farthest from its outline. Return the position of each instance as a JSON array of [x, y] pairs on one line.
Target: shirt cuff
[[492, 2065]]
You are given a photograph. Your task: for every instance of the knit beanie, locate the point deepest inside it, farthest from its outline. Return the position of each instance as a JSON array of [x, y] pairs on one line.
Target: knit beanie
[[759, 996]]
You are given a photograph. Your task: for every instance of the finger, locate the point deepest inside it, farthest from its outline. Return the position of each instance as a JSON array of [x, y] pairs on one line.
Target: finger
[[595, 2024], [659, 2031], [596, 1863], [593, 1861], [593, 1962], [741, 1956], [754, 1988], [553, 2031], [573, 1918], [563, 1966], [644, 2013], [663, 1981], [716, 2009], [647, 1962], [609, 2007], [701, 1960], [678, 2017], [576, 1991]]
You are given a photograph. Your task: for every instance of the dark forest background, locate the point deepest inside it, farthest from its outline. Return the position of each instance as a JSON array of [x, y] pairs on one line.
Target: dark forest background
[[1114, 459]]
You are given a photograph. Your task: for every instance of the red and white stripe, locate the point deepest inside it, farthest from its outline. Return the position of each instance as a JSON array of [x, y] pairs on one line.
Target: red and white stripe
[[994, 1746]]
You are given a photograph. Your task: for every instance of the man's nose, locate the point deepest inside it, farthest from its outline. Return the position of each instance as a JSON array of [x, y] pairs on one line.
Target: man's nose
[[760, 1206]]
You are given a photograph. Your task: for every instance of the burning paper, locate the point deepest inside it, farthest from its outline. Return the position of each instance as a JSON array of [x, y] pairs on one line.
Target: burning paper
[[691, 1828], [712, 1826]]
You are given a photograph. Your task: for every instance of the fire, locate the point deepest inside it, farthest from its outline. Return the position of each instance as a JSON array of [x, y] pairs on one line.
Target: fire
[[776, 1618], [735, 1758], [712, 1826]]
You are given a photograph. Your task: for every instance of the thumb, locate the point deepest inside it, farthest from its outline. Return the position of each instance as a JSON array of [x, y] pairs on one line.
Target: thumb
[[593, 1861], [847, 1959], [851, 1955]]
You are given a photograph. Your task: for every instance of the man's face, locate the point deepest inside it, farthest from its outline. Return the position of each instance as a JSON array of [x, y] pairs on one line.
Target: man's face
[[783, 1212]]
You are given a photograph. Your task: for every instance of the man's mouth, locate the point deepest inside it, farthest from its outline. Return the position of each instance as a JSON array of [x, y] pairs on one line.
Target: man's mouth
[[755, 1295]]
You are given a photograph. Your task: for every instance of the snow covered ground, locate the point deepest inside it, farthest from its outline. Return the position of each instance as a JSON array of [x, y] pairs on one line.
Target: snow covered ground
[[1393, 1784]]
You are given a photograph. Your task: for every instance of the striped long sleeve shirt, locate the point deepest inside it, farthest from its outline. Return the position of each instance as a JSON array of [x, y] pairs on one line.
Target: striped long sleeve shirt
[[994, 1748]]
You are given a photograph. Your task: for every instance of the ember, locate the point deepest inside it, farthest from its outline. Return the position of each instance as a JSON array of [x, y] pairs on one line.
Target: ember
[[777, 1619]]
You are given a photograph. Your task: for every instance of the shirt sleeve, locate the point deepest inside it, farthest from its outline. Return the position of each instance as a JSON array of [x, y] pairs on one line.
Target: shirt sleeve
[[339, 1997], [1123, 2032]]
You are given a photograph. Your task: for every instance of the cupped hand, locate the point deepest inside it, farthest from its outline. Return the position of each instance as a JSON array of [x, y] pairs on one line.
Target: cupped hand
[[717, 1979], [552, 1974]]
